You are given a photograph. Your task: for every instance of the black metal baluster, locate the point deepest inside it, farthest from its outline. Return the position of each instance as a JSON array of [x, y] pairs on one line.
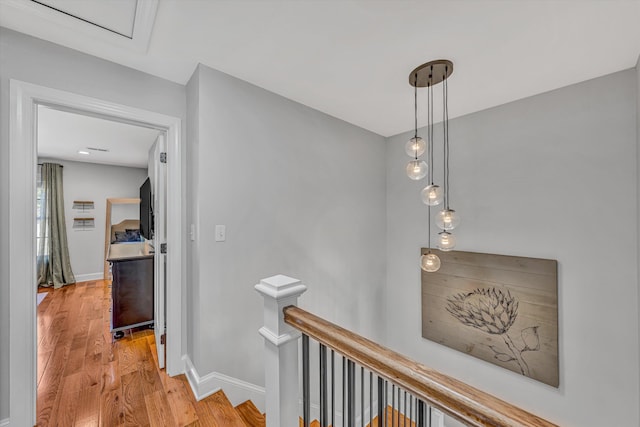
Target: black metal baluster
[[410, 409], [344, 394], [393, 405], [380, 401], [370, 399], [420, 414], [399, 408], [306, 401], [333, 389], [351, 373], [404, 418], [361, 396], [323, 385]]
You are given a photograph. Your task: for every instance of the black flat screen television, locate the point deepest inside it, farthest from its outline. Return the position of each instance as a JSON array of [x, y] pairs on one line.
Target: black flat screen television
[[146, 210]]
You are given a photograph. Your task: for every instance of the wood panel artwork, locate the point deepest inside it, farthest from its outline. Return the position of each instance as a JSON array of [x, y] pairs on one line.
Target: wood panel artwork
[[501, 309]]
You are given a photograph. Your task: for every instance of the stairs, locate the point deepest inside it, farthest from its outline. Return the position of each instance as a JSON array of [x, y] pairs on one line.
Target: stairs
[[394, 418], [221, 413]]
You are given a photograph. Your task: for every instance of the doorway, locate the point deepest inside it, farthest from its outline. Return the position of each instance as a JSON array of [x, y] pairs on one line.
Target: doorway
[[24, 99]]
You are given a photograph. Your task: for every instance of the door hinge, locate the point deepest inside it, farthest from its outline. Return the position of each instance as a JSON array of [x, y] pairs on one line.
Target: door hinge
[[163, 248], [163, 339], [163, 157]]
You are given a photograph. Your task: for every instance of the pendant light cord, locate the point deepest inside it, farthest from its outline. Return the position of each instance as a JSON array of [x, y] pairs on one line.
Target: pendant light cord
[[430, 147], [415, 114], [430, 127], [445, 131], [429, 229]]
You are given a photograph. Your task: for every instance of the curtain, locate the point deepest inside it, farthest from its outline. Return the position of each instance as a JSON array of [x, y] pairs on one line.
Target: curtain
[[53, 265]]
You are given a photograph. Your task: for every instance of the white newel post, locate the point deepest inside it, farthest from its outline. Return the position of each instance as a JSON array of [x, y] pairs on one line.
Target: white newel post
[[281, 350]]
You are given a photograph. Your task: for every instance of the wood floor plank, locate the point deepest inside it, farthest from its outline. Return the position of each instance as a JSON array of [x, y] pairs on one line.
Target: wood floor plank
[[159, 410], [223, 412], [110, 348], [205, 417], [151, 340], [133, 404], [151, 382], [43, 360], [132, 354], [110, 376], [75, 361], [51, 382], [93, 353], [250, 414], [49, 339], [88, 405], [66, 407], [111, 412], [181, 401]]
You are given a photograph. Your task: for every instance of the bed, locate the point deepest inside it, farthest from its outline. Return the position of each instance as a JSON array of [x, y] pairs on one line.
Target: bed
[[126, 231]]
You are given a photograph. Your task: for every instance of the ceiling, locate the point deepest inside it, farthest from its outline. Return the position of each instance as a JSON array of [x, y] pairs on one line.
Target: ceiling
[[62, 134], [351, 59]]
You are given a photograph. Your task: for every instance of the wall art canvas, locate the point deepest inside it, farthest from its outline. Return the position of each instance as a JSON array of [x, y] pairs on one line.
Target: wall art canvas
[[501, 309]]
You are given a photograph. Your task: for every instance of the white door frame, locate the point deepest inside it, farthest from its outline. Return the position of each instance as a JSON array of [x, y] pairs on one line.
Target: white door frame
[[24, 99]]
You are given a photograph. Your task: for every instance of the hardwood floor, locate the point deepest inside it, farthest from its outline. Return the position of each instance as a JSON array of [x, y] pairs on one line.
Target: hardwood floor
[[87, 379]]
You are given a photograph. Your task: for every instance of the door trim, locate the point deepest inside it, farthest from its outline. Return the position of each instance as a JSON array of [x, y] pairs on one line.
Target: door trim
[[24, 99]]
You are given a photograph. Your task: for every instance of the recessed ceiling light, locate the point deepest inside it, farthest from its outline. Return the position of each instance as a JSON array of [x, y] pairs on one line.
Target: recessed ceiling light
[[86, 153]]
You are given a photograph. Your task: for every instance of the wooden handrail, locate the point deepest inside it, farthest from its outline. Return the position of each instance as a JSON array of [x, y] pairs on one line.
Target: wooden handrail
[[455, 398]]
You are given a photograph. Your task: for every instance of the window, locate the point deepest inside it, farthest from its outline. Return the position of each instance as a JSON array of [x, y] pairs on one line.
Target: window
[[42, 231]]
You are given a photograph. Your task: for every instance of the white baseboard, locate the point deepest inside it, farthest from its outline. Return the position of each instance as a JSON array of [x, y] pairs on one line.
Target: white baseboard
[[4, 423], [236, 390], [86, 278]]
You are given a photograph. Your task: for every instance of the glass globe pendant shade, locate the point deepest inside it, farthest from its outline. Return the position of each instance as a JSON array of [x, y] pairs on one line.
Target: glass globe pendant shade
[[415, 147], [416, 169], [446, 241], [447, 219], [432, 195], [430, 262]]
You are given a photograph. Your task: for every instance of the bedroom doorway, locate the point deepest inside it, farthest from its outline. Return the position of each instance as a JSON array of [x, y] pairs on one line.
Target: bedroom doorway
[[25, 99], [95, 212]]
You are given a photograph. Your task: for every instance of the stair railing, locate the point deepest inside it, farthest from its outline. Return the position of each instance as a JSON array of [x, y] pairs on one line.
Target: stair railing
[[375, 385]]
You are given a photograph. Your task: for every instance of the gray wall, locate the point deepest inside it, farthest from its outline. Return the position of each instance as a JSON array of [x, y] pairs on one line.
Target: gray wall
[[40, 62], [301, 193], [193, 189], [91, 181], [541, 177], [638, 189]]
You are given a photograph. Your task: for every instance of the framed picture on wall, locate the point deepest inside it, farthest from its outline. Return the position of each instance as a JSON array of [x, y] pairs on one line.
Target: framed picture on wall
[[501, 309]]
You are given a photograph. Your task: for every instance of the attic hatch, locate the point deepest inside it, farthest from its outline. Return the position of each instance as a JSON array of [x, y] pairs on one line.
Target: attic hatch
[[117, 17]]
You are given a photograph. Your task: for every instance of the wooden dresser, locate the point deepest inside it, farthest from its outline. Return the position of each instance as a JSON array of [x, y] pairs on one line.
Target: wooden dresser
[[132, 286]]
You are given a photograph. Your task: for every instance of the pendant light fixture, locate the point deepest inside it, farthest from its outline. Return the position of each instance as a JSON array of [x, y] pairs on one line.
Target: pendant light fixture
[[415, 147], [428, 75]]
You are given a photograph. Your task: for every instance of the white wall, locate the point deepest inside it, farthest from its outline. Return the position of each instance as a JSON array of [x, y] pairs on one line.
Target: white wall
[[90, 181], [43, 63], [301, 193], [541, 177]]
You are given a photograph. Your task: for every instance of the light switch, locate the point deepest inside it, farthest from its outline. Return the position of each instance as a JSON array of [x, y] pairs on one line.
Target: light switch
[[221, 233]]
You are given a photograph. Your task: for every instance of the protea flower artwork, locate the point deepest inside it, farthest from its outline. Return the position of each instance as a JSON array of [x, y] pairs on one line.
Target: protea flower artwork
[[493, 311]]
